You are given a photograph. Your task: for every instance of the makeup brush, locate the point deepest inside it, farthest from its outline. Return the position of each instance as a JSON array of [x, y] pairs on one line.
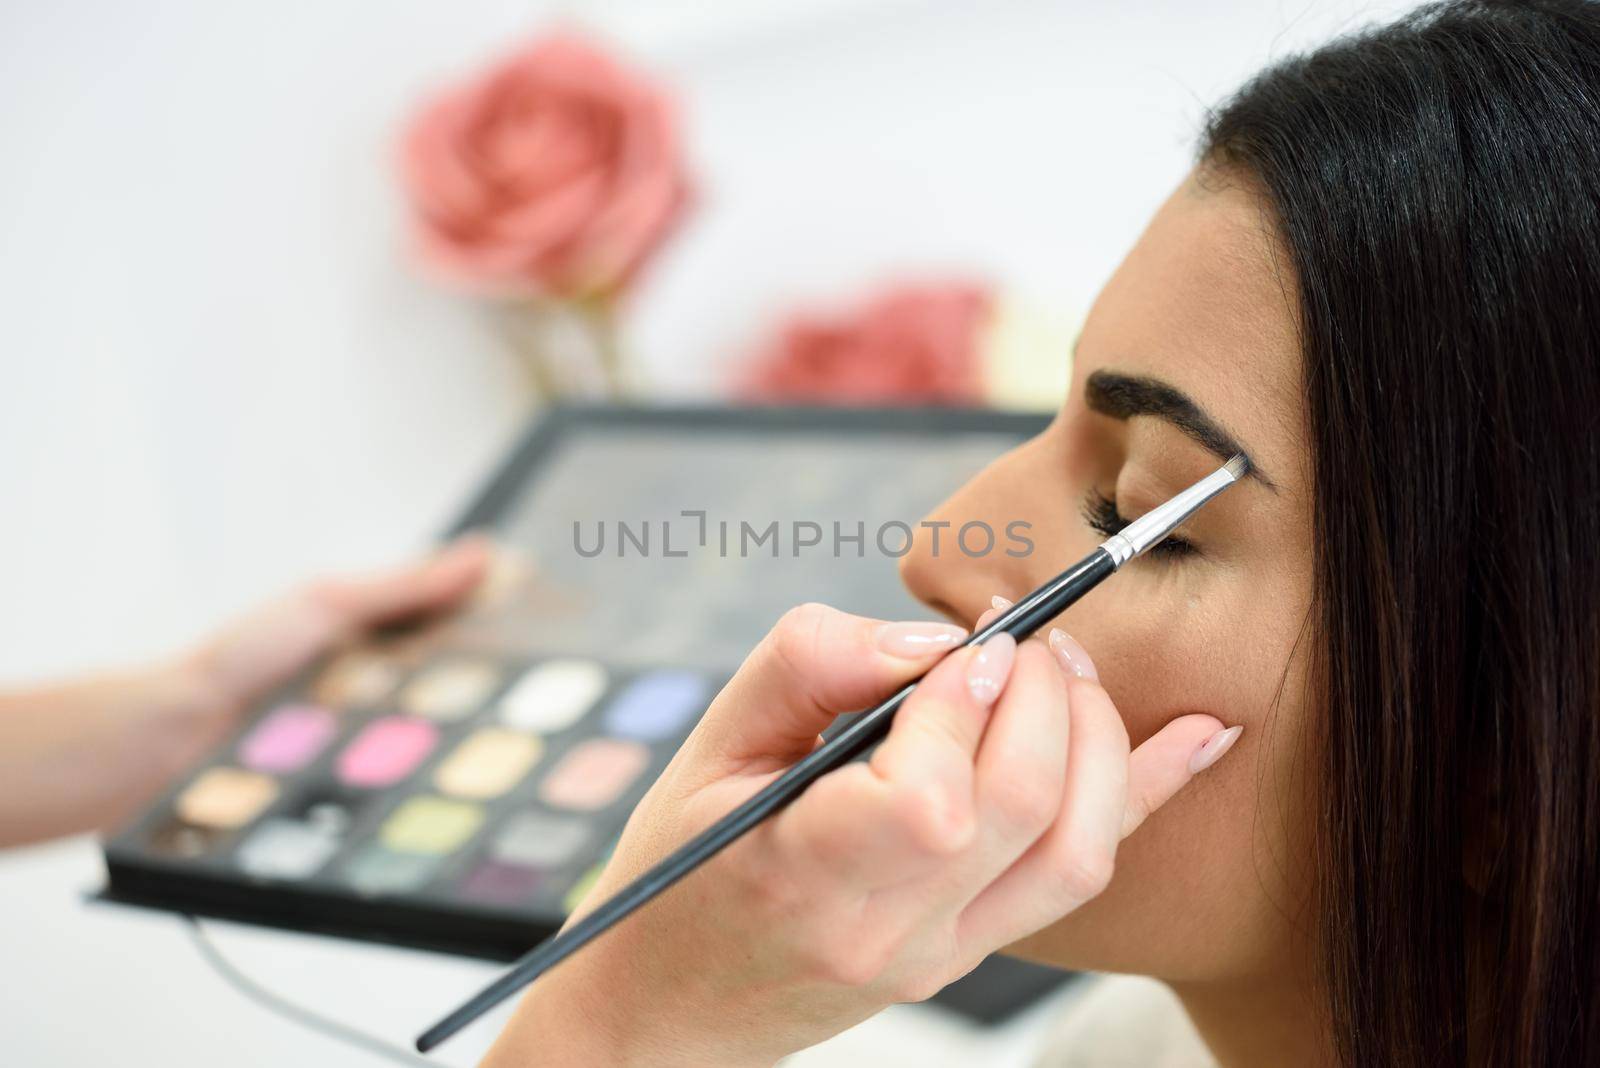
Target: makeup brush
[[1020, 621]]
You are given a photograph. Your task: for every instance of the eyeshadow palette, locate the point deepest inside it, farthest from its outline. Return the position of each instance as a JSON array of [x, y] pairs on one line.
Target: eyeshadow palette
[[458, 786]]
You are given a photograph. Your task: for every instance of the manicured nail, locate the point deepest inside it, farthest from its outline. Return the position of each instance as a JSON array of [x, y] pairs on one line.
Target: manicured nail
[[468, 544], [918, 641], [997, 604], [1211, 752], [987, 674], [1072, 657]]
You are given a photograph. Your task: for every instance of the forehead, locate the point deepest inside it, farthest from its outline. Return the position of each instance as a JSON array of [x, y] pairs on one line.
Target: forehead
[[1206, 301]]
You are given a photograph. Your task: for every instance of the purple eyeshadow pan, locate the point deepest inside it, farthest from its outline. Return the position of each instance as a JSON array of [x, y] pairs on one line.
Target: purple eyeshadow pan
[[496, 883], [658, 705]]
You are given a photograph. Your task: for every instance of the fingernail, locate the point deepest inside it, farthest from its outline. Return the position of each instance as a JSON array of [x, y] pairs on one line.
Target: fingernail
[[467, 545], [918, 641], [997, 604], [1211, 752], [987, 674], [1074, 659]]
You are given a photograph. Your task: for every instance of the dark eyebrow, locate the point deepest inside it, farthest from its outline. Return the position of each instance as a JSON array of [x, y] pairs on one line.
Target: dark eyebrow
[[1124, 396]]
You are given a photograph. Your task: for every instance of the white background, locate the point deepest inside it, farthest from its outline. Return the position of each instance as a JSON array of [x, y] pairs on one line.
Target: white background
[[220, 375]]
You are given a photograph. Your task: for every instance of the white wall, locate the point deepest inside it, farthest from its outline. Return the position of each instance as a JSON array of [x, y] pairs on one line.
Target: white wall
[[219, 373]]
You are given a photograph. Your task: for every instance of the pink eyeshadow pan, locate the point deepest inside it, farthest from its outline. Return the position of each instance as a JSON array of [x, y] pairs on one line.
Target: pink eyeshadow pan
[[386, 751], [594, 774], [288, 739]]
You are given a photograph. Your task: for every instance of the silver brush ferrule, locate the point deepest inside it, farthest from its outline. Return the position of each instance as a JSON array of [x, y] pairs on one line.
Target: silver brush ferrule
[[1150, 528]]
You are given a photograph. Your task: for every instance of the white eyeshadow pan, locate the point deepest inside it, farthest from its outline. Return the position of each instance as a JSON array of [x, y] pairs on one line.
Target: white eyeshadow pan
[[286, 849], [553, 696]]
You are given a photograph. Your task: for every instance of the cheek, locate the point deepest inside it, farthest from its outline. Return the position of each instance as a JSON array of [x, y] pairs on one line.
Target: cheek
[[1212, 884], [1170, 638]]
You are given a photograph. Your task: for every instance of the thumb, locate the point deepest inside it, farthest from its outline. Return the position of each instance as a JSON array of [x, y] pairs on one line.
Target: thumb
[[816, 664], [279, 639], [421, 588]]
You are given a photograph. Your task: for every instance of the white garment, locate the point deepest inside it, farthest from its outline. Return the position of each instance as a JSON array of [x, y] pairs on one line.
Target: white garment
[[1125, 1021]]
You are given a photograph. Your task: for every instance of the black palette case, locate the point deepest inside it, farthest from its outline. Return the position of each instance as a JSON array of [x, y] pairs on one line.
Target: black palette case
[[456, 787]]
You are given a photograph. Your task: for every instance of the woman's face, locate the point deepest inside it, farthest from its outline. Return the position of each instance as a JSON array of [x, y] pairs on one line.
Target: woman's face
[[1191, 346]]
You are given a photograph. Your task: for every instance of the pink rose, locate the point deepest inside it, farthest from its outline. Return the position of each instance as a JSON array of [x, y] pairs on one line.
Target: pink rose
[[555, 173], [911, 344]]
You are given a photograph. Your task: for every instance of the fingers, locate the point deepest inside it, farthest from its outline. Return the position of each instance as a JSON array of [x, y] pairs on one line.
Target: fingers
[[815, 665], [1165, 763], [422, 588], [1022, 766], [997, 604], [929, 753], [945, 717], [998, 798], [1108, 793], [1071, 862], [909, 810], [853, 828]]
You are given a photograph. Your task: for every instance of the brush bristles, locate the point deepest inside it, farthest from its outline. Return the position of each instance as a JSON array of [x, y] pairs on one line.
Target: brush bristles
[[1237, 466]]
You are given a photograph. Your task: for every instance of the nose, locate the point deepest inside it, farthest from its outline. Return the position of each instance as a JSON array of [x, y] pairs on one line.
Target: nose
[[921, 574], [971, 547]]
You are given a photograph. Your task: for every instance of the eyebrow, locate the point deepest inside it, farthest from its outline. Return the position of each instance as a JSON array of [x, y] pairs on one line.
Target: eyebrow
[[1123, 396]]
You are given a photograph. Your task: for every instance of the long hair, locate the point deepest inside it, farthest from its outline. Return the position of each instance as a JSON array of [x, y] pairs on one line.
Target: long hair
[[1436, 183]]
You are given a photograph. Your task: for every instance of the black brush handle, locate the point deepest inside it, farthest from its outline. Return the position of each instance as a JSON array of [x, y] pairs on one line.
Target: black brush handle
[[868, 729]]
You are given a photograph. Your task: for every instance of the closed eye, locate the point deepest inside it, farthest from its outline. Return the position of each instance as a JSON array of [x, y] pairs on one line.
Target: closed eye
[[1100, 512]]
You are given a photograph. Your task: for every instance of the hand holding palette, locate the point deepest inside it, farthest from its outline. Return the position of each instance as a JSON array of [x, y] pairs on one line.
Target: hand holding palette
[[459, 787]]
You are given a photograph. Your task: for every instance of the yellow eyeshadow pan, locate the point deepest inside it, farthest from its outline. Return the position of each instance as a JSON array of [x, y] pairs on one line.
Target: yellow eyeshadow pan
[[431, 825], [223, 798], [490, 761]]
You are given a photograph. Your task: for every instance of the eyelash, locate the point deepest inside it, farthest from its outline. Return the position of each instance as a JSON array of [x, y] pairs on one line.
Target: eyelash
[[1100, 512]]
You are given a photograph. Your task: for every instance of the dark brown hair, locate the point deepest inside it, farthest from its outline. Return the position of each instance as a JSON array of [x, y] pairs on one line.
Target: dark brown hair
[[1436, 183]]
